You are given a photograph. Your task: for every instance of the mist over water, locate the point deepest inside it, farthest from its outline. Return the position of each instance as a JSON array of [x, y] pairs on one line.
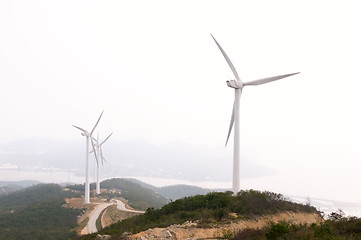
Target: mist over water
[[41, 175], [59, 176], [329, 206]]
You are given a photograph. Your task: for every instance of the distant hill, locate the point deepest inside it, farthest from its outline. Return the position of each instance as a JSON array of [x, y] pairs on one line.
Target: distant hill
[[7, 187], [178, 191], [138, 196], [37, 212], [143, 184], [5, 190], [22, 184], [175, 192]]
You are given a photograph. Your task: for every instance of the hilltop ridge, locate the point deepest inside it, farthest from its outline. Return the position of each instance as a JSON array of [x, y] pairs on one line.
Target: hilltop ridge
[[174, 192], [208, 210]]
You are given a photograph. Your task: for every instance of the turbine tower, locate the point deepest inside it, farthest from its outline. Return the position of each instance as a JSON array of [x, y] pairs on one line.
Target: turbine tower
[[99, 153], [235, 119], [88, 136]]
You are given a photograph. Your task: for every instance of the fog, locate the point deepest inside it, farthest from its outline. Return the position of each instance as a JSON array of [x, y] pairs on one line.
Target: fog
[[160, 79]]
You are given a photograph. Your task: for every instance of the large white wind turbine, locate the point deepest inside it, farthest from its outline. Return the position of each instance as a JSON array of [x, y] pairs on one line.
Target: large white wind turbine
[[235, 119], [99, 153], [88, 136]]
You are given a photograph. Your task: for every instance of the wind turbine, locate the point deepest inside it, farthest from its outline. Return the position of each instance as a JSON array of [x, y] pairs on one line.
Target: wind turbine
[[88, 136], [99, 153], [235, 119]]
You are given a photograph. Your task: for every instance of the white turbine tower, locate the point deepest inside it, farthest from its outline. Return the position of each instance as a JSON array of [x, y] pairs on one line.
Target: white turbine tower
[[99, 153], [88, 136], [235, 119]]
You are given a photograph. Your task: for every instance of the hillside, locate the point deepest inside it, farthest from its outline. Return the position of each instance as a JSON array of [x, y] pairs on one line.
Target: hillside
[[7, 187], [22, 184], [174, 192], [137, 196], [37, 212], [207, 210]]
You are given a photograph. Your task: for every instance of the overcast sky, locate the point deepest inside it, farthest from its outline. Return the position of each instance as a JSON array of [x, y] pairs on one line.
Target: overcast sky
[[154, 69]]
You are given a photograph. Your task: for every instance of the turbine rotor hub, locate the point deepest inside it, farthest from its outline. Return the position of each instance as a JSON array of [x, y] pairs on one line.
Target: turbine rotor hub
[[235, 84], [86, 134]]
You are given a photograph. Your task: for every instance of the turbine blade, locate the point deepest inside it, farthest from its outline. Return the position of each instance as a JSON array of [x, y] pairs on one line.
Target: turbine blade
[[97, 123], [228, 60], [95, 139], [267, 80], [106, 138], [95, 152], [81, 129], [230, 125], [101, 154]]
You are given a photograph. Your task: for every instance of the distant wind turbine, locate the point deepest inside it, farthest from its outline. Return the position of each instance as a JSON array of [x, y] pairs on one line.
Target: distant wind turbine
[[88, 136], [99, 153], [235, 119]]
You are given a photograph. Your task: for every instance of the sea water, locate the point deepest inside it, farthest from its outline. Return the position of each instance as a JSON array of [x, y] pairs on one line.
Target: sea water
[[329, 206]]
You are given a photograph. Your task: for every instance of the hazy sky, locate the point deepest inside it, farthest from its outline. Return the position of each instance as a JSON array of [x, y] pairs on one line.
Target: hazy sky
[[154, 69]]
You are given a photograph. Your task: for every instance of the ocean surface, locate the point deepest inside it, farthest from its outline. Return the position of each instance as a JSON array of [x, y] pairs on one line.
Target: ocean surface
[[329, 206]]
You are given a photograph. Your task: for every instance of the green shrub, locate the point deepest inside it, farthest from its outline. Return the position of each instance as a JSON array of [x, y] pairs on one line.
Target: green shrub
[[278, 231]]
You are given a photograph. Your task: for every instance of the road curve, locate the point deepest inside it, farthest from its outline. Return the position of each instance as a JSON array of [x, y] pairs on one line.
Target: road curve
[[92, 227], [121, 206]]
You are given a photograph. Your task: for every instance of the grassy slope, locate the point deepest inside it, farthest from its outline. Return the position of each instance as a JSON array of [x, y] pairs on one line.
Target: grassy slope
[[336, 227], [37, 213]]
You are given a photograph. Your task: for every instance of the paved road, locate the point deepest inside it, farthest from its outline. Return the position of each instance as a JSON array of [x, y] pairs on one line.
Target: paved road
[[92, 227], [121, 206]]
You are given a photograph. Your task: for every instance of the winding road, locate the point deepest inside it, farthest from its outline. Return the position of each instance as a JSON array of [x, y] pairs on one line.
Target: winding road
[[91, 227], [121, 206]]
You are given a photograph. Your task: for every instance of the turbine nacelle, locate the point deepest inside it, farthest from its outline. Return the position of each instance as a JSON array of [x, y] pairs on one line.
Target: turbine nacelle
[[86, 134], [235, 84]]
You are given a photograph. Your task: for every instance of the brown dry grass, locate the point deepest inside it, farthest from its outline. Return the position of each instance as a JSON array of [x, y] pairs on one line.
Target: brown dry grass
[[113, 215], [194, 231]]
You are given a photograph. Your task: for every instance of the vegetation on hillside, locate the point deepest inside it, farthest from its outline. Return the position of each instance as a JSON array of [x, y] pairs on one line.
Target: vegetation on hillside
[[138, 197], [175, 192], [33, 194], [37, 213], [180, 191], [210, 208], [7, 187], [336, 227]]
